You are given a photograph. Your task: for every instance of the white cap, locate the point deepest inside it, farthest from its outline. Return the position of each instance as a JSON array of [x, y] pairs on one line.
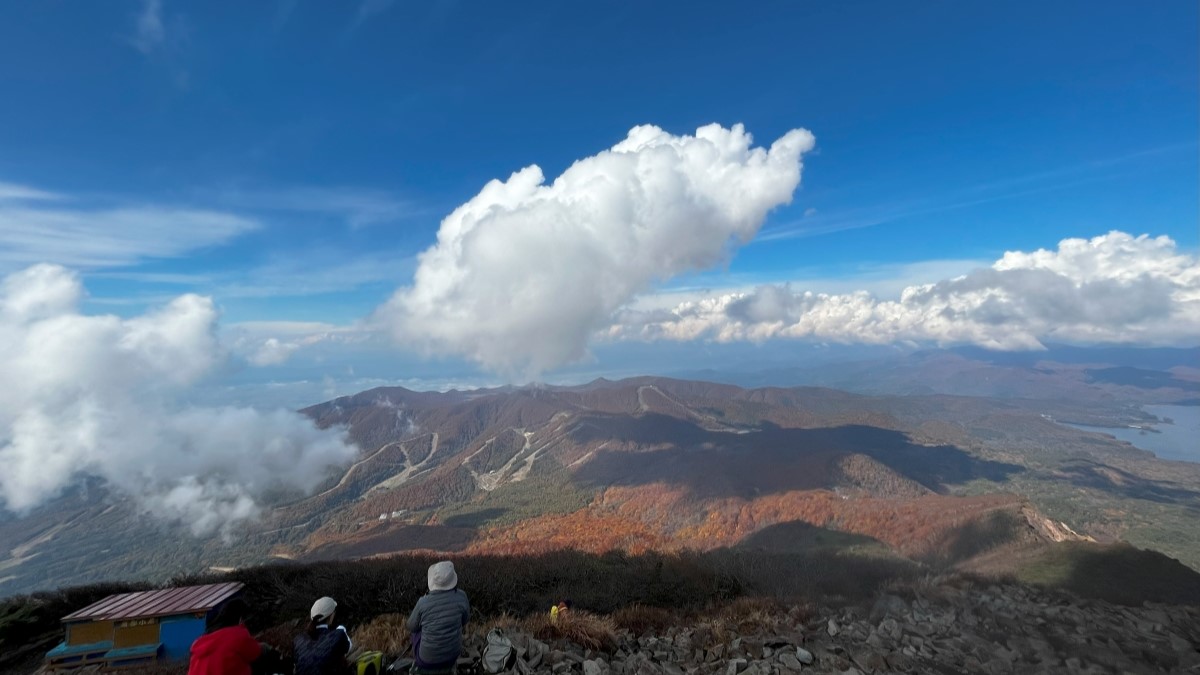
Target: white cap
[[442, 576], [322, 608]]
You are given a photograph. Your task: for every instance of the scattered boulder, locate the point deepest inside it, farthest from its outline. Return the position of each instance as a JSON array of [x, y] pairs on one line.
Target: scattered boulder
[[790, 662]]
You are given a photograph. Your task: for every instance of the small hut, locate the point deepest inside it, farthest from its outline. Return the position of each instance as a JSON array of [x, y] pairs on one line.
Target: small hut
[[134, 629]]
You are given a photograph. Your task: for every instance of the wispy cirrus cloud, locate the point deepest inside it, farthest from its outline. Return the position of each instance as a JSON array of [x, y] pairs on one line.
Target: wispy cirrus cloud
[[39, 226], [369, 8], [163, 278], [365, 10], [358, 207], [814, 223], [315, 273], [283, 12], [149, 32], [162, 40], [302, 274], [14, 192]]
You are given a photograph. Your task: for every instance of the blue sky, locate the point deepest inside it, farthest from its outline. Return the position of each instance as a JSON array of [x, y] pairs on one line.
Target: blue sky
[[291, 158]]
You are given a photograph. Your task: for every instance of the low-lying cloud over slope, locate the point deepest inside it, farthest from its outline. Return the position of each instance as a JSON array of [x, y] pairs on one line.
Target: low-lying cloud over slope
[[525, 273], [1115, 288], [99, 396]]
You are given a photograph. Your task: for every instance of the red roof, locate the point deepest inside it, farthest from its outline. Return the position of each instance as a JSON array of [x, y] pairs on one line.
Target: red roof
[[167, 601]]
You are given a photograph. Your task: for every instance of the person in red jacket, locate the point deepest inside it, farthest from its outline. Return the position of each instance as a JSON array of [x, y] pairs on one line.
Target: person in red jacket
[[227, 648]]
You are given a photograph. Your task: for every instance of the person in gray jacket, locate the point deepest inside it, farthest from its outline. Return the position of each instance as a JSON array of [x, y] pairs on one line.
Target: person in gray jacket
[[437, 622]]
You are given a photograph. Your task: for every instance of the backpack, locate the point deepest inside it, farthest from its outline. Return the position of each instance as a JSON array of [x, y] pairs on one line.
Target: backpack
[[498, 655]]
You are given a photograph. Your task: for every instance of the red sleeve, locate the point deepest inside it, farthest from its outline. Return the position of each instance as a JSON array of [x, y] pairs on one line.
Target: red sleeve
[[247, 647]]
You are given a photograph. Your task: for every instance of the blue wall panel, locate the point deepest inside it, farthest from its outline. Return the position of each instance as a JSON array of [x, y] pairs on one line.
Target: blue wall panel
[[177, 634]]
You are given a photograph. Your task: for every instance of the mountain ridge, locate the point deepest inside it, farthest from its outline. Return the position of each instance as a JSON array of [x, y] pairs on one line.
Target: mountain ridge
[[707, 440], [652, 463]]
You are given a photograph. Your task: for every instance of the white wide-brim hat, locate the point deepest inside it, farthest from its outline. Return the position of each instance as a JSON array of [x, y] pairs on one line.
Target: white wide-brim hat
[[442, 576]]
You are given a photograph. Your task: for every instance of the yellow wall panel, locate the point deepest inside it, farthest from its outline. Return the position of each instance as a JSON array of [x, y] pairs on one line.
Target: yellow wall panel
[[88, 633], [133, 636]]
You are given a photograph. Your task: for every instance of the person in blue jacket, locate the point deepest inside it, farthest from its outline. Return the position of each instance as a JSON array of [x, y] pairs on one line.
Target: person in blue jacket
[[437, 621]]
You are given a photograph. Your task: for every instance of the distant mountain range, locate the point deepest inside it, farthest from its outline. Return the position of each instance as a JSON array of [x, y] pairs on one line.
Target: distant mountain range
[[985, 481], [1111, 374]]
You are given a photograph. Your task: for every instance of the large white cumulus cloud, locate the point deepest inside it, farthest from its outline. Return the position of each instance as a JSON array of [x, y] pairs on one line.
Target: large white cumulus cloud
[[99, 396], [524, 273], [1115, 288]]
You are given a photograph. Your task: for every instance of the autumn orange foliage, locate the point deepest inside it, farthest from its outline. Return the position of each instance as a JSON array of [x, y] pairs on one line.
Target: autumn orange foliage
[[666, 518]]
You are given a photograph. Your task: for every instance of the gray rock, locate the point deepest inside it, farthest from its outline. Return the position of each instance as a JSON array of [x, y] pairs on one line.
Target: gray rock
[[736, 666], [804, 656], [1180, 644], [832, 628], [790, 662], [777, 642], [890, 628], [754, 648], [647, 668], [901, 662], [1005, 655], [868, 659], [591, 667], [888, 605]]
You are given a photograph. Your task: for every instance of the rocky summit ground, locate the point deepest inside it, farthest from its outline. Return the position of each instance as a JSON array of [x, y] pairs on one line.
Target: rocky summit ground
[[944, 629], [928, 627]]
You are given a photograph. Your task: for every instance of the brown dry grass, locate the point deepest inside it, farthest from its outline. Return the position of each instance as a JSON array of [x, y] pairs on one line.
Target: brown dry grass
[[585, 629], [929, 586], [802, 614], [506, 622], [281, 636], [749, 615], [720, 624], [641, 619], [712, 632], [387, 633]]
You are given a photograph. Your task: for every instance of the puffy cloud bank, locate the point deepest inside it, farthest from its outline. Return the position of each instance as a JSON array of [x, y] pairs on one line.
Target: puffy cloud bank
[[525, 273], [98, 396], [1115, 288]]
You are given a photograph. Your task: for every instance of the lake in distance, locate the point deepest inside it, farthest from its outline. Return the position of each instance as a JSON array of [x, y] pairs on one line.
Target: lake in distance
[[1179, 440]]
